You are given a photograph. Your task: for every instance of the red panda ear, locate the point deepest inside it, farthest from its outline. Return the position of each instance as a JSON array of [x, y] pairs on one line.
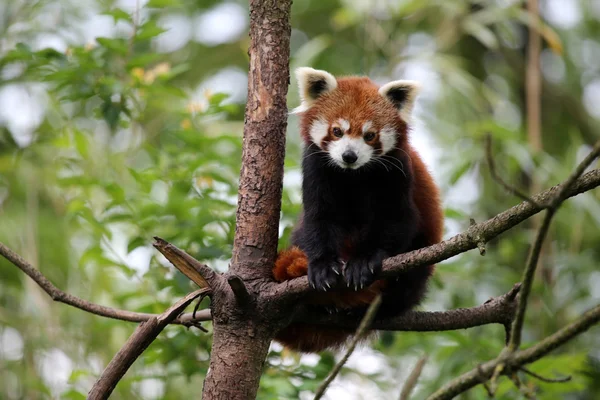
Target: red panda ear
[[313, 83], [402, 95]]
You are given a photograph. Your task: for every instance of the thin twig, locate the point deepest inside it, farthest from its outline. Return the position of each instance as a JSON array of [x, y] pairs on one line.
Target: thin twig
[[486, 385], [521, 386], [544, 379], [141, 338], [62, 297], [362, 329], [528, 275], [566, 186], [516, 360], [495, 176], [413, 378], [199, 273], [537, 351]]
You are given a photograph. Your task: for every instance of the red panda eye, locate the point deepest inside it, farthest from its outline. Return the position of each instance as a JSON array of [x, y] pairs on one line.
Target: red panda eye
[[337, 132], [369, 136]]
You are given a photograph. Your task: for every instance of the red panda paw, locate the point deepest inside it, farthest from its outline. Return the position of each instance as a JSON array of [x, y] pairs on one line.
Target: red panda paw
[[324, 274], [360, 272]]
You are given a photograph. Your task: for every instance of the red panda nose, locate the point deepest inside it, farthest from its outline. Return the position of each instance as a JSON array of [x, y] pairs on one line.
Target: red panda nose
[[349, 157]]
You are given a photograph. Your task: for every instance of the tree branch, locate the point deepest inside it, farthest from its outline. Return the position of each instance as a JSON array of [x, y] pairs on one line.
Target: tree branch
[[498, 310], [553, 203], [141, 338], [507, 361], [62, 297], [514, 361], [412, 379], [467, 240], [571, 182], [199, 273], [544, 379], [239, 290], [360, 333]]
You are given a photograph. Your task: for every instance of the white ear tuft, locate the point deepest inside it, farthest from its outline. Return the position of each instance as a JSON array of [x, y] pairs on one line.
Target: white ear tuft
[[313, 83], [402, 95]]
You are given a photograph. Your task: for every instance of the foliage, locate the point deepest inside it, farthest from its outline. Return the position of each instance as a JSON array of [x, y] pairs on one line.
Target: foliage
[[130, 144]]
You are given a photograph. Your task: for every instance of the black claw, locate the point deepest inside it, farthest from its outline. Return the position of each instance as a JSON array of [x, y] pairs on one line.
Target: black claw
[[322, 274], [360, 272]]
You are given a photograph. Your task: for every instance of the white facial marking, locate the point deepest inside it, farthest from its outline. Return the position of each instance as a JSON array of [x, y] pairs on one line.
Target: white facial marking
[[363, 151], [318, 131], [344, 124], [366, 126], [387, 137]]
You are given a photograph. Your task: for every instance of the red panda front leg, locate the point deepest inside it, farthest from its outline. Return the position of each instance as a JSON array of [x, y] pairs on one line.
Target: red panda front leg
[[321, 240], [384, 239]]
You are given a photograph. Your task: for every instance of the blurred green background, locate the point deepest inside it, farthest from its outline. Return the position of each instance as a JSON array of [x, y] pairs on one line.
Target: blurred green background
[[121, 120]]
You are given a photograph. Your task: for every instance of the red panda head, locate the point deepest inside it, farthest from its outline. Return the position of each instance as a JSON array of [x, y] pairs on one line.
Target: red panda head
[[351, 118]]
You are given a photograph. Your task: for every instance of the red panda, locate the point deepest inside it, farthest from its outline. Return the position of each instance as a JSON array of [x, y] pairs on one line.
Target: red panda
[[367, 195]]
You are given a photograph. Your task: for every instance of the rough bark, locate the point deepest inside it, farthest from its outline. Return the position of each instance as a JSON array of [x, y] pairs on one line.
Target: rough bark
[[236, 362], [245, 323], [261, 179]]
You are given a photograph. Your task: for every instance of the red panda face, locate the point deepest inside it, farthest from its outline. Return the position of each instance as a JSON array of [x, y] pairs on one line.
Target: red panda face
[[351, 118], [352, 142]]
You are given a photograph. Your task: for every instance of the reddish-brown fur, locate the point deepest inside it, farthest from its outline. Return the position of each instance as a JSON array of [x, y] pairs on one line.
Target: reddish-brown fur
[[361, 103]]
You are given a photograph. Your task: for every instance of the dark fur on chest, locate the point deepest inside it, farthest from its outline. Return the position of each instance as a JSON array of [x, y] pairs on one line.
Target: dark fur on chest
[[359, 203], [354, 219]]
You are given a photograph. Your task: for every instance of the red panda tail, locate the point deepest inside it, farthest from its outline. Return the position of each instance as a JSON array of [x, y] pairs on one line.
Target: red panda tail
[[309, 338], [291, 263]]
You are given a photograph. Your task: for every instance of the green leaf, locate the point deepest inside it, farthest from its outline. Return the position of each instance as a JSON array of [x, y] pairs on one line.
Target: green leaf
[[50, 54], [459, 171], [217, 98], [135, 243], [162, 3], [78, 374], [72, 394], [143, 60], [454, 214], [148, 30], [110, 112], [81, 143], [117, 45], [119, 15], [481, 33]]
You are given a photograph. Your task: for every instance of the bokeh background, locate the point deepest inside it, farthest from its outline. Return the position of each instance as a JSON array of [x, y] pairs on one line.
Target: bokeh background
[[120, 120]]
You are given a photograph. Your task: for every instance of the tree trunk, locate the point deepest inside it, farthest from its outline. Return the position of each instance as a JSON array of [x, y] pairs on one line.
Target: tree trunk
[[261, 180], [245, 323], [236, 362]]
